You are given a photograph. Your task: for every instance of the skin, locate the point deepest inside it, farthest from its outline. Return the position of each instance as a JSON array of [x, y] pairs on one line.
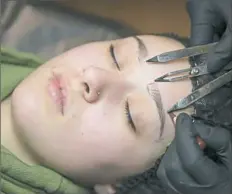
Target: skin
[[92, 142]]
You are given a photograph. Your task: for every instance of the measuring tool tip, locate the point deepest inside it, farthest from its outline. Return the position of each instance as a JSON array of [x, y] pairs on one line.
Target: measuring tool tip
[[161, 79], [173, 108], [153, 60]]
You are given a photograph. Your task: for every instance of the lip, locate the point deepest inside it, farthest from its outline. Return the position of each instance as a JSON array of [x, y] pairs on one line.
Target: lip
[[57, 92]]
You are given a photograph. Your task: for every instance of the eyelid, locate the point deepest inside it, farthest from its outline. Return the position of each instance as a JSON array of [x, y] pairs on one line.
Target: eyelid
[[112, 53], [129, 116]]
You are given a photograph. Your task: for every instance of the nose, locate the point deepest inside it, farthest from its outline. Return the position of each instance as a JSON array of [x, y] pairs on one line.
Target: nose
[[95, 81]]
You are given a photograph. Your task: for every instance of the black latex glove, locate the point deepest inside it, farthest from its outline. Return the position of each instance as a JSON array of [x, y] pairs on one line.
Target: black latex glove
[[186, 170], [211, 20]]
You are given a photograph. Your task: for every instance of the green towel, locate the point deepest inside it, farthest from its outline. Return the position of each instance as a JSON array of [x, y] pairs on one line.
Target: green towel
[[15, 67], [16, 176]]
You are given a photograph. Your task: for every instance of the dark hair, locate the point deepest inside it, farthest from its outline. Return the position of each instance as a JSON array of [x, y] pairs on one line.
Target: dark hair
[[211, 109], [142, 183]]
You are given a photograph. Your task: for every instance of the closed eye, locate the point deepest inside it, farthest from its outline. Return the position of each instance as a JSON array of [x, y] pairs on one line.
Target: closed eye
[[128, 116], [112, 54]]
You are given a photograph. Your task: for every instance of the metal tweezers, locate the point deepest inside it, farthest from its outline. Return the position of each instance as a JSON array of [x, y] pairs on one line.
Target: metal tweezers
[[191, 72]]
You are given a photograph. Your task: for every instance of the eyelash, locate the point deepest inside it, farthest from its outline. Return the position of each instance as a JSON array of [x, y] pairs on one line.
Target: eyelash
[[113, 56], [126, 106], [128, 115]]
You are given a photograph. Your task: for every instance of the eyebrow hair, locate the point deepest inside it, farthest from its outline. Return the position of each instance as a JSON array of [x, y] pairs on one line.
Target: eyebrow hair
[[158, 101], [141, 47], [155, 94]]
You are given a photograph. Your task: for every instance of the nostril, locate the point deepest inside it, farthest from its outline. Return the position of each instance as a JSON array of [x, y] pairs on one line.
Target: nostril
[[87, 89], [89, 93]]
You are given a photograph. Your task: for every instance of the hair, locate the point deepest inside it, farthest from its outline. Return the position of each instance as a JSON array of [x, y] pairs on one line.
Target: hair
[[211, 109]]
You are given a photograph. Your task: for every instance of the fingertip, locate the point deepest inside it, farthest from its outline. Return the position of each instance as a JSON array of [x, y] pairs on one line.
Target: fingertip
[[221, 55], [183, 119], [181, 116], [186, 142]]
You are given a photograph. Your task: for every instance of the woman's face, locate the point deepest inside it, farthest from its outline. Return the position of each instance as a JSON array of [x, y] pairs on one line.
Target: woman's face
[[92, 111]]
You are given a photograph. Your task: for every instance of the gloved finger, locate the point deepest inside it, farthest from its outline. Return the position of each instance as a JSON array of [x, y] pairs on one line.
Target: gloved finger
[[202, 30], [165, 166], [199, 166], [171, 163], [183, 186], [201, 34], [218, 139], [221, 55], [216, 37]]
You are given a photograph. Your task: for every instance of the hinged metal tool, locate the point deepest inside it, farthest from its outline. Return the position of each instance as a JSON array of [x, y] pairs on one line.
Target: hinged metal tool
[[190, 73]]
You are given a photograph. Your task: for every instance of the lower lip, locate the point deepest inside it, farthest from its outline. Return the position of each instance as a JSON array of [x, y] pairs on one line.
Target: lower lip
[[56, 93]]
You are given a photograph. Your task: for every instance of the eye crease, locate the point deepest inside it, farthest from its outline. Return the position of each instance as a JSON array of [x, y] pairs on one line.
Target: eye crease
[[128, 115], [112, 53]]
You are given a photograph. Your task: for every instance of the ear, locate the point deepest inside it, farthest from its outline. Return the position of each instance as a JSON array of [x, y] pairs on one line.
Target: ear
[[104, 189]]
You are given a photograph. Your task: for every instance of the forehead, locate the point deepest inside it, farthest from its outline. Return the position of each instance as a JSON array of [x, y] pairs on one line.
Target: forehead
[[97, 49], [154, 46], [130, 53]]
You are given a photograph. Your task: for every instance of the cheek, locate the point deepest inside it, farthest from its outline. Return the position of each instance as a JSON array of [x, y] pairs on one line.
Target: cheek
[[104, 137], [27, 106], [103, 134]]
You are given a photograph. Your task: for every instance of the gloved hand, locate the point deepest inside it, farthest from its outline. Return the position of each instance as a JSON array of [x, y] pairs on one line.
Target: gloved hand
[[211, 20], [185, 169]]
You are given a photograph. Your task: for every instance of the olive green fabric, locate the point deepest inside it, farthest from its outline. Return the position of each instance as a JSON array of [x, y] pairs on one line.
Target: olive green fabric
[[15, 67], [16, 176]]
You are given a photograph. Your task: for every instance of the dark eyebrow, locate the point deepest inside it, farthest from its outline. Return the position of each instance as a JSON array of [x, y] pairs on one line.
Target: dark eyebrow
[[155, 94], [141, 47]]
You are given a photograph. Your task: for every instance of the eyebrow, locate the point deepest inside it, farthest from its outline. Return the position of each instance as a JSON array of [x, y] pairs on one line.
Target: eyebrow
[[155, 94], [141, 47], [143, 52]]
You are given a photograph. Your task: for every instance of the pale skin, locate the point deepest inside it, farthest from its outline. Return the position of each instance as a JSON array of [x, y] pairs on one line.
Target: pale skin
[[91, 141]]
